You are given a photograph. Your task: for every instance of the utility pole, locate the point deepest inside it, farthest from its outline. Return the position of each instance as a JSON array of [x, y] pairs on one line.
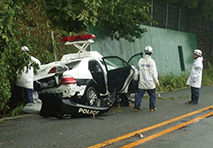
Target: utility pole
[[53, 43]]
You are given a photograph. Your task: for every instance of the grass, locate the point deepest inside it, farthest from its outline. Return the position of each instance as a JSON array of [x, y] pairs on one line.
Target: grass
[[18, 110], [172, 82], [208, 75]]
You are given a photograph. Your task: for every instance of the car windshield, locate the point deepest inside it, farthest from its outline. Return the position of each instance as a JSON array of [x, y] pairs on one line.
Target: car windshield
[[72, 64]]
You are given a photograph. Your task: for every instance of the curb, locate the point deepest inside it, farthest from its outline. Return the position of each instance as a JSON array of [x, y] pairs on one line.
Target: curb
[[15, 117]]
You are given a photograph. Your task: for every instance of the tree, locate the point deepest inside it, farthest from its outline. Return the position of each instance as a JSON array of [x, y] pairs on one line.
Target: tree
[[201, 23], [72, 15], [184, 3], [204, 7], [16, 30], [125, 20], [117, 18], [8, 50]]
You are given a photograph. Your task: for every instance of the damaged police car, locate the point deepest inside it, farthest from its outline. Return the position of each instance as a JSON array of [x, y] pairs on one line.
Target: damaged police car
[[83, 83]]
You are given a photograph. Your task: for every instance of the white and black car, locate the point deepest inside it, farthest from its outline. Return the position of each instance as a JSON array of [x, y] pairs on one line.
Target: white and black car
[[83, 83]]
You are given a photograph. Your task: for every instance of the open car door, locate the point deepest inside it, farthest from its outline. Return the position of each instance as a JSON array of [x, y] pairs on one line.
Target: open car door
[[119, 73], [135, 58], [133, 86]]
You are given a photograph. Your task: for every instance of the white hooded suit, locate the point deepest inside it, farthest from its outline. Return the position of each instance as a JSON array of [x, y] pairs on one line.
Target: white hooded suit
[[195, 78], [26, 79], [148, 73]]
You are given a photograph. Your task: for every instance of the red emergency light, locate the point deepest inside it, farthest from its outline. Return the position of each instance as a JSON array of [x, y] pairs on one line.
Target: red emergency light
[[78, 38]]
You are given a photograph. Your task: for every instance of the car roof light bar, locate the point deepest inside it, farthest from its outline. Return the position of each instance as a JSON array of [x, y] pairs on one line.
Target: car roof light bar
[[78, 38], [80, 41]]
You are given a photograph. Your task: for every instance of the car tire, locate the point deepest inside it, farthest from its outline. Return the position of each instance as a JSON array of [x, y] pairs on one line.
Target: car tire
[[91, 96]]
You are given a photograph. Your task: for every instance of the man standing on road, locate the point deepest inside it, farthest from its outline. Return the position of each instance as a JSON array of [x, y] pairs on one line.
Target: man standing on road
[[148, 78], [195, 78], [24, 83]]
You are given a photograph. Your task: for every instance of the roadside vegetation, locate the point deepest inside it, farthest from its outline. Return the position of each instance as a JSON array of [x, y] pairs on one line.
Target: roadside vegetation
[[172, 82]]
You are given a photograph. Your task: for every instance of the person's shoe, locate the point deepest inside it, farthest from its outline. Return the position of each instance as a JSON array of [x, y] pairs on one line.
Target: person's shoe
[[136, 110], [190, 102], [118, 106], [152, 110], [129, 104]]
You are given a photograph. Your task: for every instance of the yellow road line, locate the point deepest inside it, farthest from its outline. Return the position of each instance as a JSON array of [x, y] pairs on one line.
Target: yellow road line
[[165, 131], [108, 142]]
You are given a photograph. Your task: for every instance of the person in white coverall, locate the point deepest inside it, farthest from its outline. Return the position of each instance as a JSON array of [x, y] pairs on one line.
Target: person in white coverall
[[195, 78], [148, 78], [25, 81]]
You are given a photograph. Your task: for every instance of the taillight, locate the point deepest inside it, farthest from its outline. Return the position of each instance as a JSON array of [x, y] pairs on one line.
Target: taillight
[[68, 80], [52, 70]]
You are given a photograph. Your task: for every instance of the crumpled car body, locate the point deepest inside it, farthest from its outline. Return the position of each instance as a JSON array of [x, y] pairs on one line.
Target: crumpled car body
[[84, 83]]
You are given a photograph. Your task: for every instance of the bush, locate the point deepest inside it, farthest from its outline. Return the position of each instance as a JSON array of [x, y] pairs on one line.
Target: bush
[[172, 82], [208, 75]]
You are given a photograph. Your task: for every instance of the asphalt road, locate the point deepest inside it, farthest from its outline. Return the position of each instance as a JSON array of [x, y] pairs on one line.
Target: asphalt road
[[34, 131]]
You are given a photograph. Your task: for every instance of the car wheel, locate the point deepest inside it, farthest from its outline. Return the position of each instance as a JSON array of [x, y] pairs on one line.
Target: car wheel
[[91, 96]]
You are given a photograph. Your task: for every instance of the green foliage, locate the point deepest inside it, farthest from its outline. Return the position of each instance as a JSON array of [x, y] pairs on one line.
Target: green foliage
[[12, 59], [208, 75], [72, 15], [4, 87], [117, 18], [34, 30], [125, 20], [172, 82], [184, 3], [18, 110], [6, 32], [204, 8]]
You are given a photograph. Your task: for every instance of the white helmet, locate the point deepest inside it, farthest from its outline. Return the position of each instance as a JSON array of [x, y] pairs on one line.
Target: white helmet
[[25, 48], [148, 49], [198, 52]]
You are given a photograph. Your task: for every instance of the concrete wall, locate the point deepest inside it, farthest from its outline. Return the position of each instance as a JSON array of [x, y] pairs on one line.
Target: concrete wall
[[166, 45]]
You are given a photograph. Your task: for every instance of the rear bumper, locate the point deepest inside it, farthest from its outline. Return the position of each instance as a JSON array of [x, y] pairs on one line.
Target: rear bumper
[[65, 91], [54, 106]]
